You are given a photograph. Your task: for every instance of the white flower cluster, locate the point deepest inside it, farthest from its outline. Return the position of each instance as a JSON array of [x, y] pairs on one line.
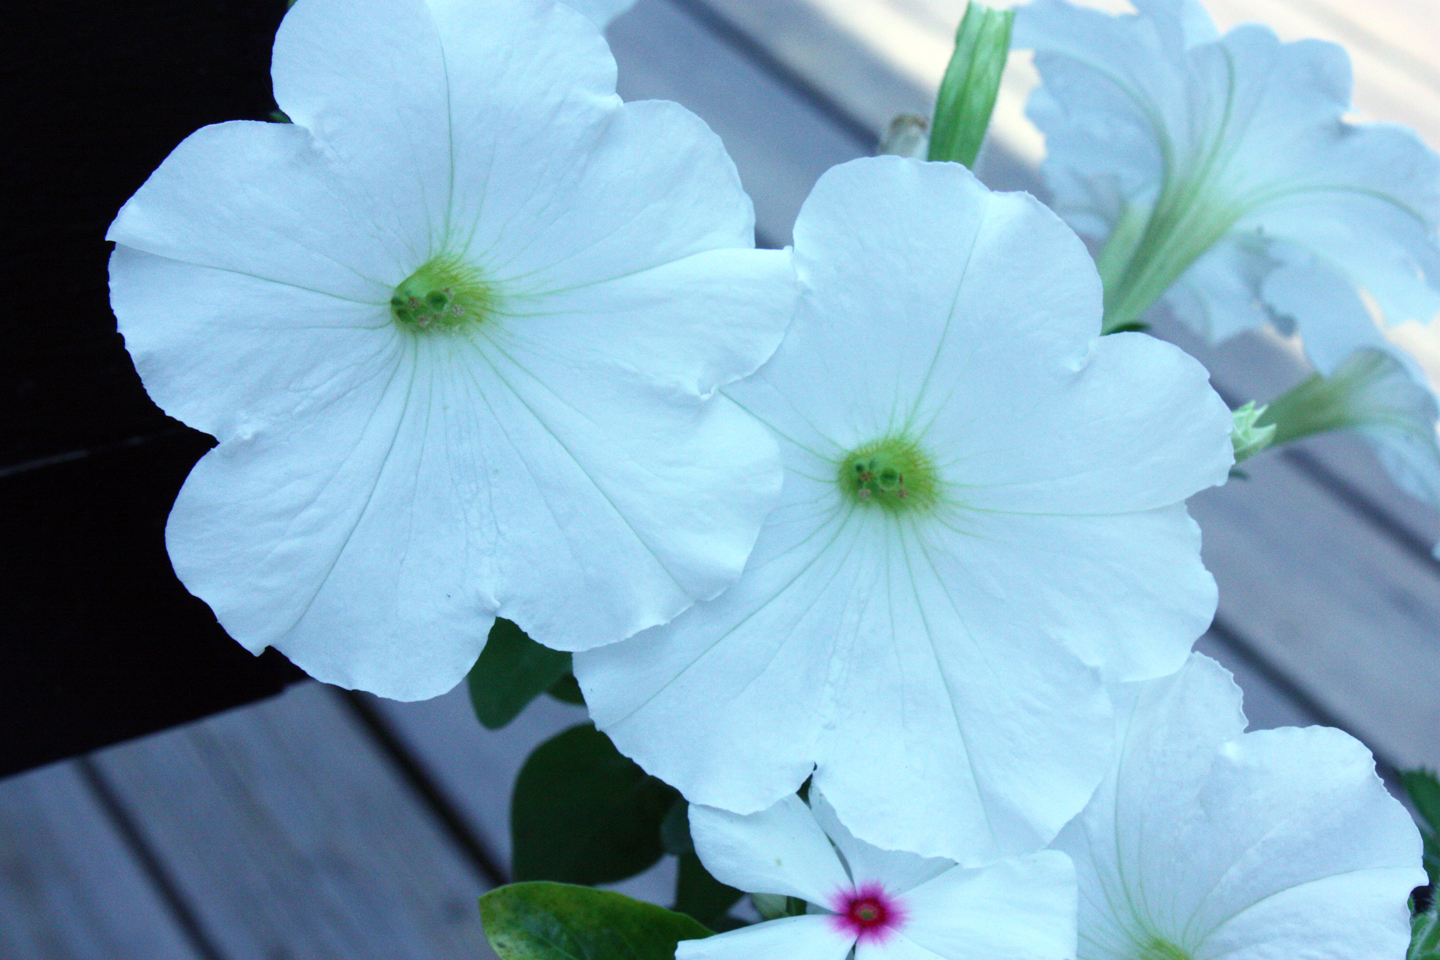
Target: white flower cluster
[[883, 518]]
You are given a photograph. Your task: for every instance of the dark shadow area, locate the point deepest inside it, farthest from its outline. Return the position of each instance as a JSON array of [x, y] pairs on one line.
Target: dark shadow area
[[101, 641]]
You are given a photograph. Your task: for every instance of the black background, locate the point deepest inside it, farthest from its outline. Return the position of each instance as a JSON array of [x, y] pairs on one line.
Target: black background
[[100, 642]]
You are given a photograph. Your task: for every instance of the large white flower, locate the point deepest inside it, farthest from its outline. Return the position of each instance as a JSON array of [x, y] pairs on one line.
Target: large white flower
[[457, 331], [1205, 842], [981, 497], [1220, 173], [884, 904]]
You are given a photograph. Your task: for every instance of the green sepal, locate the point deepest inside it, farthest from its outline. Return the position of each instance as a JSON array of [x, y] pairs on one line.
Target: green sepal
[[583, 813], [971, 83], [512, 671], [557, 921], [1247, 435]]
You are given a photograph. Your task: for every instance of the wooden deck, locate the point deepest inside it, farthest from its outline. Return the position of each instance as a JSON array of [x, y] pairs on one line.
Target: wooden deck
[[321, 824]]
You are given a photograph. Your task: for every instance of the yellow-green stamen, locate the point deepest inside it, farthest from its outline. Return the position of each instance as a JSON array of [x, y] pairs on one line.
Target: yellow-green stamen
[[444, 294], [891, 473]]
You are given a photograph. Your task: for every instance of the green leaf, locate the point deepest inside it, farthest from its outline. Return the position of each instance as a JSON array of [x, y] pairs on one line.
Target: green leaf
[[703, 897], [556, 921], [1425, 935], [582, 813], [972, 80], [512, 671]]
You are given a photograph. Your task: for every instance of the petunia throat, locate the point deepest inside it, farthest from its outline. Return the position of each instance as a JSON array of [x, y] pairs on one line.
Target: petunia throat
[[444, 294], [1158, 948], [892, 473]]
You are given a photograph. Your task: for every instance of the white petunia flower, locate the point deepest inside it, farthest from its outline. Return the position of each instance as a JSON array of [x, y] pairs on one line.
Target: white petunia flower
[[1221, 175], [1204, 842], [457, 331], [885, 904], [980, 494]]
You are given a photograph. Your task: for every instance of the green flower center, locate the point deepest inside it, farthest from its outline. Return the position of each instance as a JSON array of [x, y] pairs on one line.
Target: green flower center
[[444, 294], [891, 473]]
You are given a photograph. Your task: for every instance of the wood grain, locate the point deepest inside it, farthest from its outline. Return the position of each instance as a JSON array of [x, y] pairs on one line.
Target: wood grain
[[292, 837], [70, 887]]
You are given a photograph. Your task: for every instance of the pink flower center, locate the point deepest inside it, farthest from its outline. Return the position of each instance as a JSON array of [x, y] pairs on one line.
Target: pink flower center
[[867, 913]]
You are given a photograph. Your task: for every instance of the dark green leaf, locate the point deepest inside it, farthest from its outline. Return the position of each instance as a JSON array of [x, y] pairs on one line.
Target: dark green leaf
[[582, 813], [701, 896], [972, 79], [512, 671], [567, 690], [556, 921]]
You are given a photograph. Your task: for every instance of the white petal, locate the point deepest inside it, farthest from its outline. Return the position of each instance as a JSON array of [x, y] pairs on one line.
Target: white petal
[[1064, 574], [1107, 450], [617, 506], [229, 352], [662, 325], [952, 284], [1197, 826], [779, 850], [1361, 914], [1018, 909], [408, 95], [990, 739], [1299, 807], [1335, 320], [346, 535], [794, 938], [896, 870], [726, 701]]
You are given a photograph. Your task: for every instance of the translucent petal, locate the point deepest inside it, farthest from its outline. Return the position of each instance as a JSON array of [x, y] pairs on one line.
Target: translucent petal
[[1244, 128]]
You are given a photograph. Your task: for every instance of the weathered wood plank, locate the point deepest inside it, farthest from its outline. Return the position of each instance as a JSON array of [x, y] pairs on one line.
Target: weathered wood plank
[[476, 768], [291, 836], [70, 888]]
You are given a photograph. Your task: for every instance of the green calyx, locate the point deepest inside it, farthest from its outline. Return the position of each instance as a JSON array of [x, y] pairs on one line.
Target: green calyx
[[892, 474], [444, 294]]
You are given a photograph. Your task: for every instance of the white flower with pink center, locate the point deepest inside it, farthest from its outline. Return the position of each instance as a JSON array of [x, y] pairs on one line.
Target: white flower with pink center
[[883, 904]]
